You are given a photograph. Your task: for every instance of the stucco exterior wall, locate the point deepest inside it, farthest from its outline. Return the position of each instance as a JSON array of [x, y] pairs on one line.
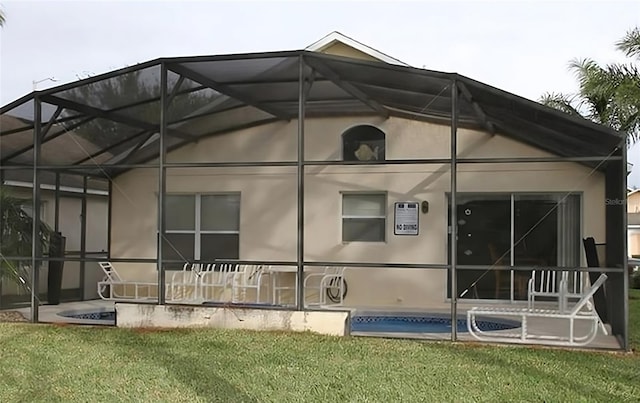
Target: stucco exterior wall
[[268, 199], [633, 242], [633, 221], [340, 49], [633, 204]]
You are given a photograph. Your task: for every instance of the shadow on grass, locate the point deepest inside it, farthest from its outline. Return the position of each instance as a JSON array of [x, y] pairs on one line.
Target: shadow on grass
[[200, 378], [35, 385], [573, 380]]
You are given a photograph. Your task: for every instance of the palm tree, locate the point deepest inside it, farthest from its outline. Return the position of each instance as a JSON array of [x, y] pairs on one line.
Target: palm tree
[[609, 95], [16, 228]]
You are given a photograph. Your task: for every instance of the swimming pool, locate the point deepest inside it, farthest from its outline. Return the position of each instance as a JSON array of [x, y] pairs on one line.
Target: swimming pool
[[420, 323], [360, 322], [92, 316]]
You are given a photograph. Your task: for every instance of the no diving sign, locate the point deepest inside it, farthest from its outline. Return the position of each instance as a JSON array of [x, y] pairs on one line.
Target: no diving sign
[[406, 218]]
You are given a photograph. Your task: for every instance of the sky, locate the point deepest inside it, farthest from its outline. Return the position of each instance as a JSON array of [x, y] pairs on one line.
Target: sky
[[523, 47]]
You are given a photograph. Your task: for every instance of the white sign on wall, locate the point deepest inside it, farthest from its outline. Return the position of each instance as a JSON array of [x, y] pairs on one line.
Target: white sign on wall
[[406, 218]]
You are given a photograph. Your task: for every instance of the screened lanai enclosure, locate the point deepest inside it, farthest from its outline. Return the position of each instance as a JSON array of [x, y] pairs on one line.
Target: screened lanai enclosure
[[301, 181]]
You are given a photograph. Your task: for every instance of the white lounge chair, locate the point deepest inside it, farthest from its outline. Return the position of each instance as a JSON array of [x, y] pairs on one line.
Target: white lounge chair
[[185, 285], [575, 315], [215, 282], [284, 284], [559, 285], [113, 287], [328, 284], [248, 277]]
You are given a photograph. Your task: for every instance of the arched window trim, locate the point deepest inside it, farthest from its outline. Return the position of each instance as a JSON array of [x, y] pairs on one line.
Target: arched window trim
[[363, 142]]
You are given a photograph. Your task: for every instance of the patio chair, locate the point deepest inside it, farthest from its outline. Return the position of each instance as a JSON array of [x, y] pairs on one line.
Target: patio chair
[[330, 284], [283, 284], [559, 285], [215, 282], [185, 284], [113, 287], [526, 334], [248, 277]]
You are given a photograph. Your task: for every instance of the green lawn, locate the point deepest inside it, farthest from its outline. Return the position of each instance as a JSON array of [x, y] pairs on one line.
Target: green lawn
[[53, 363], [634, 320]]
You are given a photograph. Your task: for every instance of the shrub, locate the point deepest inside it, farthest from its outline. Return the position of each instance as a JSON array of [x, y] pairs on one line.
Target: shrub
[[635, 279]]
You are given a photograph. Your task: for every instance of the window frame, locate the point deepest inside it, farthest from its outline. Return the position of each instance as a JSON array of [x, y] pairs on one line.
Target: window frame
[[197, 232], [512, 197], [351, 132], [362, 217]]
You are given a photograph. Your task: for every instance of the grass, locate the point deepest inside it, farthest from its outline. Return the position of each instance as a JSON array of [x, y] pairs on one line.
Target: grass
[[634, 320], [54, 363]]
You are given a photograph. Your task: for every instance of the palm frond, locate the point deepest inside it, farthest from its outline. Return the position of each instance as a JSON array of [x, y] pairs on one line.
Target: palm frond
[[16, 239], [630, 43], [610, 94], [561, 102]]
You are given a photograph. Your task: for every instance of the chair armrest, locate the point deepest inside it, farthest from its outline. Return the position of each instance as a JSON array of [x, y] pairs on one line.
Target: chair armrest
[[313, 275]]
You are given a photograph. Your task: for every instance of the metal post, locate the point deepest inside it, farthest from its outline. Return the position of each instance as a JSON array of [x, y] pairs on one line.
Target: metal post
[[454, 219], [162, 181], [36, 247], [109, 215], [56, 218], [1, 184], [83, 235], [300, 251], [625, 246]]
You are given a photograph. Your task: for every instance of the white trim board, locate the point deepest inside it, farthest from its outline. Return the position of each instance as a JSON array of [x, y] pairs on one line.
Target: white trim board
[[336, 36]]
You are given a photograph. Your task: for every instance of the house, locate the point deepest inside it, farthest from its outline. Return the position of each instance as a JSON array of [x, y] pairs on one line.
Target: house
[[633, 222], [342, 156]]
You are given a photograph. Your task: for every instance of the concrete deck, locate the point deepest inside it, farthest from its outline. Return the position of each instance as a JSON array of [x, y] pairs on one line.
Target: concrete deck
[[51, 314]]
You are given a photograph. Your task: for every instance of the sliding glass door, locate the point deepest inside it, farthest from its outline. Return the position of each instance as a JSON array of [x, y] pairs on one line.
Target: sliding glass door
[[511, 229]]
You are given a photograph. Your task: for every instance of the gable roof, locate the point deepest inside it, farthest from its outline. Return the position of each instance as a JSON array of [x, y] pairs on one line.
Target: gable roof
[[336, 37]]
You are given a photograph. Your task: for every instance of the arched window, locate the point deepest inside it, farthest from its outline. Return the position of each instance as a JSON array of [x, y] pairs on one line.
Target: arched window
[[363, 143]]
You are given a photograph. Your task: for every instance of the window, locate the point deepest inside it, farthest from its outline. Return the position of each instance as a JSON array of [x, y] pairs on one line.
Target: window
[[363, 143], [202, 227], [364, 217], [514, 229]]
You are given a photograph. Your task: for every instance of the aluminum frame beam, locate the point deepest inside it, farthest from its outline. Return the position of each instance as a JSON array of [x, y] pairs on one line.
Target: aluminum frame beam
[[36, 247], [525, 160], [51, 137], [347, 86], [477, 108], [110, 115], [224, 89], [453, 239], [55, 115], [300, 195], [109, 148], [162, 182]]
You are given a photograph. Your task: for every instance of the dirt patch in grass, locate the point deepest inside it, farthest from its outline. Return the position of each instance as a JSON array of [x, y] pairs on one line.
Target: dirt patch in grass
[[12, 316]]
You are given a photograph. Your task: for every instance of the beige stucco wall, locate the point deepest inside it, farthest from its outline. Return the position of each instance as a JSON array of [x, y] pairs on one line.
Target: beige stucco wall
[[633, 219], [340, 49], [633, 241], [268, 199], [633, 203]]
